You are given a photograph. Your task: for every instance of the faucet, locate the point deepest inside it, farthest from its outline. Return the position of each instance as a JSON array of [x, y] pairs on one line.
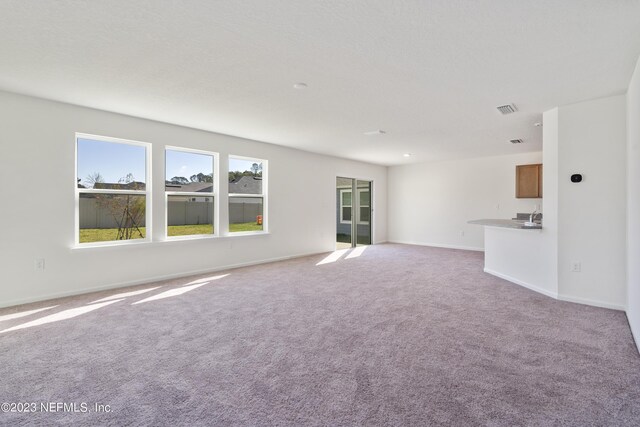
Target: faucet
[[533, 215]]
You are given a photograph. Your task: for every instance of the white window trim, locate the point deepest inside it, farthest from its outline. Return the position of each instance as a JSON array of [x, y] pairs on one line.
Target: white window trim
[[348, 190], [363, 190], [147, 192], [264, 196], [214, 193], [342, 205]]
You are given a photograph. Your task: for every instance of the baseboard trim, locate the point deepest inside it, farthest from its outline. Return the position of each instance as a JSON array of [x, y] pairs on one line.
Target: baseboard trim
[[438, 245], [556, 295], [523, 284], [636, 337], [594, 303], [118, 285]]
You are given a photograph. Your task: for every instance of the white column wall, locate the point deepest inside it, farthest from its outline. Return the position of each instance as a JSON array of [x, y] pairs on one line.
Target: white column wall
[[633, 203], [592, 214]]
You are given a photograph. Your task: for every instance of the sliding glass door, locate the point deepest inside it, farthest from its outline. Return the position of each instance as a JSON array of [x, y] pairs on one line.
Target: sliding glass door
[[363, 216], [353, 212]]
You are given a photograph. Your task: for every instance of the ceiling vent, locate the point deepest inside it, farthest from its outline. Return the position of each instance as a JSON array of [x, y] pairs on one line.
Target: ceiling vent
[[516, 141], [507, 109]]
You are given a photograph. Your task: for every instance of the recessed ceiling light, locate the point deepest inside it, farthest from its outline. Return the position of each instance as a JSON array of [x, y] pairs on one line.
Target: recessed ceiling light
[[300, 85], [406, 155], [375, 132]]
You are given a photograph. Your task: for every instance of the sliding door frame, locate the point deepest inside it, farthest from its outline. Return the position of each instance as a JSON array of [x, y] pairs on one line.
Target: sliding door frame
[[355, 207]]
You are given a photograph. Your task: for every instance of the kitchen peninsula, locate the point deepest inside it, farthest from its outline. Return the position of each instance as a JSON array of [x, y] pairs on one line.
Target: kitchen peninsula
[[516, 252]]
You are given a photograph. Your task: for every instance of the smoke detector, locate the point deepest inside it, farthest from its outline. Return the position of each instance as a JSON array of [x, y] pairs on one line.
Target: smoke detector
[[516, 141], [507, 109]]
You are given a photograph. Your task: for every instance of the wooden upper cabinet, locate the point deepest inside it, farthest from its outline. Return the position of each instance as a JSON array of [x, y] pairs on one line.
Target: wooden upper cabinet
[[529, 181]]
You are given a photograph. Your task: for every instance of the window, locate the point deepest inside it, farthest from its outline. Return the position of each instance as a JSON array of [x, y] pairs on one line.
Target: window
[[365, 205], [346, 206], [247, 194], [190, 192], [112, 190]]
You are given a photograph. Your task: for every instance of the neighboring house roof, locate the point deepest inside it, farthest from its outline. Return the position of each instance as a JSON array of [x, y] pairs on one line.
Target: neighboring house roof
[[192, 187], [135, 185], [246, 185], [187, 198]]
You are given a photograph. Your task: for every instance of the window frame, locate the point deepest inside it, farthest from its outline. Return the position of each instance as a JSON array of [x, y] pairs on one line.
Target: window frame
[[214, 193], [342, 206], [263, 195], [358, 220], [147, 192], [360, 205]]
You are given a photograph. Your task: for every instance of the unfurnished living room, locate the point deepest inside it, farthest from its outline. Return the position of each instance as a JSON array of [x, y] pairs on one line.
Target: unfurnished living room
[[320, 213]]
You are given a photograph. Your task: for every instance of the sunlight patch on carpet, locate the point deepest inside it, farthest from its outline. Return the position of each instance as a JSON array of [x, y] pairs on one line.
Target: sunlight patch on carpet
[[125, 295], [356, 252], [24, 313], [333, 256], [171, 293], [63, 315], [208, 279]]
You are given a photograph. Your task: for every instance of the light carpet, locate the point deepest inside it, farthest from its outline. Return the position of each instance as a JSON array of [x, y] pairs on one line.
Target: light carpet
[[386, 335]]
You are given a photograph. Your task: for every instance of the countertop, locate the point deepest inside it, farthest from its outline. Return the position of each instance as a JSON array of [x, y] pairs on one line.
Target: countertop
[[505, 223]]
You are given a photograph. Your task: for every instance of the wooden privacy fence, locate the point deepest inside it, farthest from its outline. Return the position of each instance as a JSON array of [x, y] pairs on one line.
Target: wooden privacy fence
[[179, 213]]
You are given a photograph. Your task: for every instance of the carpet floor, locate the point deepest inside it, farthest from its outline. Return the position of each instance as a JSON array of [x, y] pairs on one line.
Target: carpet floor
[[384, 335]]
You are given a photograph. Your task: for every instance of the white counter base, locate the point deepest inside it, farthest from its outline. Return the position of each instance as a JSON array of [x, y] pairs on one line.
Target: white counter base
[[521, 283], [519, 256]]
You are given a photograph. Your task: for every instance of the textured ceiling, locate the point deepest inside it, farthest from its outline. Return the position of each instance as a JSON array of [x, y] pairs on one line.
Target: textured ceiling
[[429, 73]]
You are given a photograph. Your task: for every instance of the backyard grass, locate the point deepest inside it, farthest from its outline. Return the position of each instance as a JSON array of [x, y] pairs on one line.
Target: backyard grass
[[245, 226], [88, 235], [188, 230]]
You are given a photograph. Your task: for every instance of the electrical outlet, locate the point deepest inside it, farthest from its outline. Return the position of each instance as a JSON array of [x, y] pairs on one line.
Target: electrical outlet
[[576, 267], [39, 264]]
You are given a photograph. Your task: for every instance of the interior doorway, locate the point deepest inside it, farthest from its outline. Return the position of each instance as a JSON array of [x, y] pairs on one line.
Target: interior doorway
[[353, 212]]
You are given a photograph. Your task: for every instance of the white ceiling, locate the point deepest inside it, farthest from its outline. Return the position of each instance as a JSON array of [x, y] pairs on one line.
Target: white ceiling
[[429, 73]]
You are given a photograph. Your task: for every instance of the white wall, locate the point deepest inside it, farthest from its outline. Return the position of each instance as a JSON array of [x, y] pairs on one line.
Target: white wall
[[592, 214], [37, 172], [520, 256], [430, 203], [550, 185], [633, 203]]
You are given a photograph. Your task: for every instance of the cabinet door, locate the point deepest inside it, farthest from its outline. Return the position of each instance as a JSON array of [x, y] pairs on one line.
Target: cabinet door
[[529, 181], [540, 181]]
